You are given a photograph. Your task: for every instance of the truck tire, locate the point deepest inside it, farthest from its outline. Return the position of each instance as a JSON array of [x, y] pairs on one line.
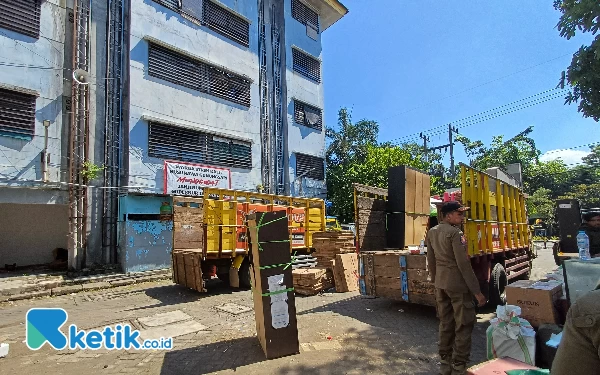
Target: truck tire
[[244, 273], [497, 285], [224, 277]]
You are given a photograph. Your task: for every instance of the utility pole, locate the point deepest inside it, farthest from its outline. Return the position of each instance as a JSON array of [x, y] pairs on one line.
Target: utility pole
[[450, 144], [425, 140], [451, 130]]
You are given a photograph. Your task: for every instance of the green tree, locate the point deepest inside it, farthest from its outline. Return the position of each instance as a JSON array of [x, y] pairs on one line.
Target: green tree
[[354, 156], [552, 175], [372, 171], [588, 195], [348, 143], [583, 73], [583, 181], [541, 203]]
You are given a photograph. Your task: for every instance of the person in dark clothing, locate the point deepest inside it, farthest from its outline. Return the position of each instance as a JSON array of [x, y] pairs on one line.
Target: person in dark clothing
[[579, 349], [592, 229]]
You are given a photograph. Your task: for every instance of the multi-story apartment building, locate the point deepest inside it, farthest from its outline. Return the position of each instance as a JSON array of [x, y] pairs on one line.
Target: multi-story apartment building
[[33, 198], [231, 89], [230, 84]]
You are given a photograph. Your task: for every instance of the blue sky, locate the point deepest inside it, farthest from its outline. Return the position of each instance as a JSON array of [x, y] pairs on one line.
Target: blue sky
[[410, 65]]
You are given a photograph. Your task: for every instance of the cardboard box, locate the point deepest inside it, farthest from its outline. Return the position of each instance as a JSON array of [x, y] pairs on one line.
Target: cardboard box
[[499, 366], [272, 284], [536, 300], [346, 272]]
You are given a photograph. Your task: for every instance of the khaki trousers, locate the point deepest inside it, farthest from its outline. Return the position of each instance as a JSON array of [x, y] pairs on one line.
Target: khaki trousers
[[457, 315]]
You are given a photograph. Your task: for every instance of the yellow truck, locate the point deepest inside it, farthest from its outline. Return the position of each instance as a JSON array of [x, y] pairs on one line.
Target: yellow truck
[[210, 237], [495, 230]]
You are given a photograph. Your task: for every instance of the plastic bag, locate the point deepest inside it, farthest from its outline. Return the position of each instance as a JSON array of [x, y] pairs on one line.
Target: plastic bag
[[510, 336]]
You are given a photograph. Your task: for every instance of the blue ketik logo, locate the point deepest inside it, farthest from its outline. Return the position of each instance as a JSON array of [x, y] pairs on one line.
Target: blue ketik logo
[[43, 325]]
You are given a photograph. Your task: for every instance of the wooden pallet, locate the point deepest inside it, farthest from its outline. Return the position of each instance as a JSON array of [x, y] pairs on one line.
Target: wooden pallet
[[187, 269]]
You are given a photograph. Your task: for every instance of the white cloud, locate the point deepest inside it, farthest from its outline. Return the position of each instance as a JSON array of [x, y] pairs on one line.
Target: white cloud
[[568, 156]]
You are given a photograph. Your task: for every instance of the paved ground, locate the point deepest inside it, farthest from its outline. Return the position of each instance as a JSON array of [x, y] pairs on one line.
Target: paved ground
[[373, 336], [544, 263]]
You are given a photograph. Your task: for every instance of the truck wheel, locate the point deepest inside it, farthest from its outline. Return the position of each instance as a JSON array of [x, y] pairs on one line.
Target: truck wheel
[[497, 285], [224, 277], [244, 273]]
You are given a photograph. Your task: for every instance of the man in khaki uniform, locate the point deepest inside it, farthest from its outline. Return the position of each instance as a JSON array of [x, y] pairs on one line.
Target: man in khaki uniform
[[455, 286], [579, 349]]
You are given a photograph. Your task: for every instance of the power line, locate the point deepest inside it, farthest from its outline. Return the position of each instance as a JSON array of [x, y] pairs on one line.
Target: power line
[[572, 148], [476, 87], [490, 114], [478, 114]]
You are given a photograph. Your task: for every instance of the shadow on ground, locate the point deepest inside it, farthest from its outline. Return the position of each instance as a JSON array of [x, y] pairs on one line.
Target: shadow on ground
[[396, 338], [173, 294], [371, 353]]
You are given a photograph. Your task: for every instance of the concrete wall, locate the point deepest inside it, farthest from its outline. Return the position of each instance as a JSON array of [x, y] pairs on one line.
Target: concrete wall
[[302, 139], [20, 158], [154, 98], [30, 232]]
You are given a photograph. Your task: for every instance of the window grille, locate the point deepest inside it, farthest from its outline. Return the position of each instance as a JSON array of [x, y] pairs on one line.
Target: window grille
[[226, 23], [306, 65], [213, 16], [182, 70], [177, 143], [17, 113], [305, 15], [21, 16], [308, 115], [310, 166]]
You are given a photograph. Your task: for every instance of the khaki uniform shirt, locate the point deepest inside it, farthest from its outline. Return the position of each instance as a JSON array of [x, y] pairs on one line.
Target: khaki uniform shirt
[[448, 261], [579, 349]]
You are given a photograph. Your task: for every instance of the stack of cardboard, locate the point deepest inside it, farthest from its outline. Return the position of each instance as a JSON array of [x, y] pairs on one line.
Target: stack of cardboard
[[310, 281], [272, 291], [345, 272], [329, 244], [397, 274]]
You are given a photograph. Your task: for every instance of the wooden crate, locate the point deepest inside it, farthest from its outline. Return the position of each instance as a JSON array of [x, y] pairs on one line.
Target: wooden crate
[[188, 223], [187, 269]]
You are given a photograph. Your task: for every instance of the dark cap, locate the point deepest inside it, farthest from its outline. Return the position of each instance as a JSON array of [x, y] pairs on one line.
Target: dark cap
[[453, 206]]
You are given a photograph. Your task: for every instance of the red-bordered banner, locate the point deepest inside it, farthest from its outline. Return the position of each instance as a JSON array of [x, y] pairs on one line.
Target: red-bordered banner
[[190, 179]]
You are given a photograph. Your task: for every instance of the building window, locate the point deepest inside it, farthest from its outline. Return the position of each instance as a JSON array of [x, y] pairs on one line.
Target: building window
[[17, 114], [171, 4], [305, 15], [307, 65], [182, 70], [310, 166], [226, 23], [307, 115], [177, 143], [21, 16], [215, 17]]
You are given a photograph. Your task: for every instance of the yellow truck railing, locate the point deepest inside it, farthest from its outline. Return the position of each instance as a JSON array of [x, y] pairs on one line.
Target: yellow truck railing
[[224, 213], [497, 220]]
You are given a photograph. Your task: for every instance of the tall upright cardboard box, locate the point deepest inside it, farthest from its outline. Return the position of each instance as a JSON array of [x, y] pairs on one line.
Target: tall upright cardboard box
[[407, 206], [272, 284]]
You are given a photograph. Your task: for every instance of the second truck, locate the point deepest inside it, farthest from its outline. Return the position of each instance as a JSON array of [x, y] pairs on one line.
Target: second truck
[[495, 229]]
